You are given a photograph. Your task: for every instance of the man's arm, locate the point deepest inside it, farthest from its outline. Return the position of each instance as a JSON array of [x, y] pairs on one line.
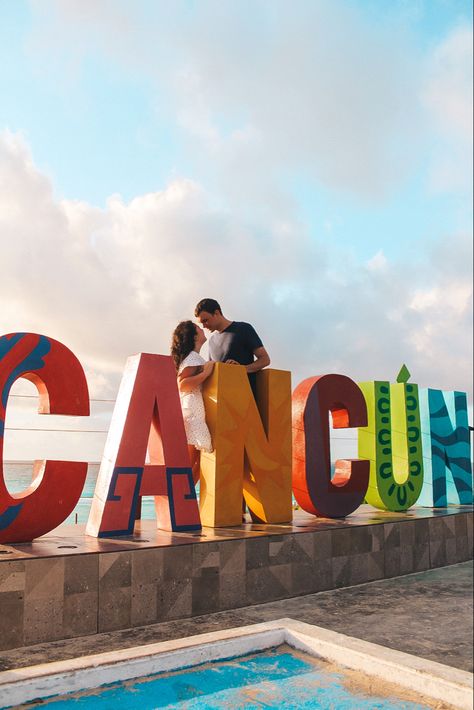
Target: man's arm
[[262, 360], [259, 352]]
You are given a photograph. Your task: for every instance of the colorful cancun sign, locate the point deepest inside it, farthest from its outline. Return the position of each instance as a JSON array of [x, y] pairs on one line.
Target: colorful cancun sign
[[414, 446]]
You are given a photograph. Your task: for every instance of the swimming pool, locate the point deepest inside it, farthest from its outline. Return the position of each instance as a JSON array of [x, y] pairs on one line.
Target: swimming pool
[[277, 678], [276, 664]]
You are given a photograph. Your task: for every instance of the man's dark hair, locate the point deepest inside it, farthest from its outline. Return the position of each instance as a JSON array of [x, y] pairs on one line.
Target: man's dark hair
[[207, 304]]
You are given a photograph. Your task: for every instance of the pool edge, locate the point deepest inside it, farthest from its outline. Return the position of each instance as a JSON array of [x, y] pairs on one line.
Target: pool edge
[[428, 678]]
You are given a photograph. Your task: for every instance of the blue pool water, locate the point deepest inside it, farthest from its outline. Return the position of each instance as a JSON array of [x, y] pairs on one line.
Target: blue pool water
[[274, 679]]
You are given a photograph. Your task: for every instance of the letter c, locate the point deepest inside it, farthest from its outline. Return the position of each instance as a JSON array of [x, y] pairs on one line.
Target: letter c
[[314, 489], [62, 387]]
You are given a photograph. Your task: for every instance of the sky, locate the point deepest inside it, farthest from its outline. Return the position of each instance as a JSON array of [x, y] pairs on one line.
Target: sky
[[306, 163]]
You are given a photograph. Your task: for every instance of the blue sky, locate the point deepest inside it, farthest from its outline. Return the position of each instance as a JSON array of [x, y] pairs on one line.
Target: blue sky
[[75, 124], [97, 127], [67, 112], [306, 163]]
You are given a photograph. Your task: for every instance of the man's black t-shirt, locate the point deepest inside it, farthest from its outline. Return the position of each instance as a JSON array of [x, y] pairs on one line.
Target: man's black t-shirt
[[237, 342]]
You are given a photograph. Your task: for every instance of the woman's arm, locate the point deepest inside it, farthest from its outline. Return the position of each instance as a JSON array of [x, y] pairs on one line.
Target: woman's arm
[[191, 377]]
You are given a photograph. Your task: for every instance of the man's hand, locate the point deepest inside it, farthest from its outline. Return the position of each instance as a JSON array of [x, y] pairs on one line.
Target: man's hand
[[232, 362], [262, 360]]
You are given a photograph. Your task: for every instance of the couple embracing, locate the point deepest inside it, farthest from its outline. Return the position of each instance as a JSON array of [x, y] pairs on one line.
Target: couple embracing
[[232, 342]]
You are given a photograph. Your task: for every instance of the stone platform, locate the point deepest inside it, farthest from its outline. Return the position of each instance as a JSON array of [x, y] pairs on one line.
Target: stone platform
[[66, 584]]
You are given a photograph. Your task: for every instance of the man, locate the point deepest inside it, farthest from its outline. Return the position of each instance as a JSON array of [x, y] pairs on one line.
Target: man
[[232, 341]]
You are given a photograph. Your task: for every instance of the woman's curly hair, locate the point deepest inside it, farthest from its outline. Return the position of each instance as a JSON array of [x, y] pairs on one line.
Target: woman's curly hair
[[182, 342]]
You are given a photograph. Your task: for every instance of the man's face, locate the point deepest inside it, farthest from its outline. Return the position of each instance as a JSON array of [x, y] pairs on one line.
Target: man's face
[[209, 320]]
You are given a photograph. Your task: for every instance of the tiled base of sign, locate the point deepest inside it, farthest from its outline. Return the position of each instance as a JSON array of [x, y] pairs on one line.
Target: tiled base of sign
[[66, 584]]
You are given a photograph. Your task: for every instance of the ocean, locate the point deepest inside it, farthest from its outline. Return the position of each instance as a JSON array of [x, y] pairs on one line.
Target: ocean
[[18, 477]]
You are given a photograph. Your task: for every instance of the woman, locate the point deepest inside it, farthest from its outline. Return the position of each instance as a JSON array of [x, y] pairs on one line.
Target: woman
[[193, 370]]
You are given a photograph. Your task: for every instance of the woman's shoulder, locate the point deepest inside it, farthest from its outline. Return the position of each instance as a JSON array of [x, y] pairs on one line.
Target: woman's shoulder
[[192, 360]]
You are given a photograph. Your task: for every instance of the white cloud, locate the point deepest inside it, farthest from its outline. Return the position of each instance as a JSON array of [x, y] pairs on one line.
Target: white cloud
[[448, 95], [454, 302], [378, 262], [261, 89], [116, 281], [449, 90]]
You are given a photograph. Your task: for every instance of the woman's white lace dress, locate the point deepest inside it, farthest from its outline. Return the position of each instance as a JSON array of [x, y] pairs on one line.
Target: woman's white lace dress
[[192, 404]]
